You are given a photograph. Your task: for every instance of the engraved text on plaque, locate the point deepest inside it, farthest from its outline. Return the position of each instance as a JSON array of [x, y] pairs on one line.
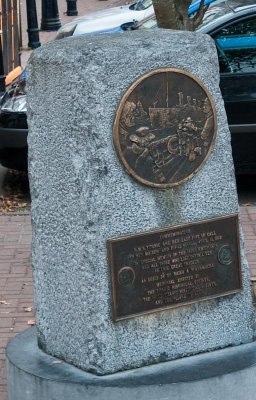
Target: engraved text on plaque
[[171, 267]]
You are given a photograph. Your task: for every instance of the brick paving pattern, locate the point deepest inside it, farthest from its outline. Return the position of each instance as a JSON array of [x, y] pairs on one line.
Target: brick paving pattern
[[16, 288], [248, 216]]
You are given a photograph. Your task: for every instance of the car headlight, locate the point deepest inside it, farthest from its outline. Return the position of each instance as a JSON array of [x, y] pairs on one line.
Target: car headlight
[[66, 31]]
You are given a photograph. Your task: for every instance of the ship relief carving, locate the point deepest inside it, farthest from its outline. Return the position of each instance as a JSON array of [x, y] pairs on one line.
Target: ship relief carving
[[165, 127]]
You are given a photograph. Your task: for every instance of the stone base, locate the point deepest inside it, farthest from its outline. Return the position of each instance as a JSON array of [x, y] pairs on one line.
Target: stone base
[[223, 374]]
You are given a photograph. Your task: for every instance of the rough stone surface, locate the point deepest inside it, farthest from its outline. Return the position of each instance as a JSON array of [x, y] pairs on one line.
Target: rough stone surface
[[222, 374], [81, 196]]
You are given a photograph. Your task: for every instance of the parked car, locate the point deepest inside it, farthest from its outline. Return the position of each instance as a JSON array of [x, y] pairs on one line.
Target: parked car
[[13, 125], [111, 19], [13, 121], [107, 20], [233, 27], [232, 24], [234, 30]]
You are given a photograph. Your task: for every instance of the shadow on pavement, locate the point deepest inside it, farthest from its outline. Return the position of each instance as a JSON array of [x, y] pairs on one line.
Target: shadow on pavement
[[14, 192]]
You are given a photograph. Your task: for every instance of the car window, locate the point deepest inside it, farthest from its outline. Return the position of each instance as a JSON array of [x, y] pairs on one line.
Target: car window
[[142, 4], [213, 14], [236, 45]]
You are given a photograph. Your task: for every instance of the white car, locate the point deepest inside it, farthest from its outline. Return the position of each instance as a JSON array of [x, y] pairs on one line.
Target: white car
[[107, 20]]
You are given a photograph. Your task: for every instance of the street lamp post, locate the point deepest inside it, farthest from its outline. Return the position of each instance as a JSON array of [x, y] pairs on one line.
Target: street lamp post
[[71, 7], [33, 31], [50, 16]]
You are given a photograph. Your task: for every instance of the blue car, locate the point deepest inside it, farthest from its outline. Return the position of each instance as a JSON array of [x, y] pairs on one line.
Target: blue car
[[232, 24], [196, 4]]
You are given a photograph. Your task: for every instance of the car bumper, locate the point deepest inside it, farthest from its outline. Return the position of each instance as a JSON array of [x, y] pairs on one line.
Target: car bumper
[[13, 137], [243, 141]]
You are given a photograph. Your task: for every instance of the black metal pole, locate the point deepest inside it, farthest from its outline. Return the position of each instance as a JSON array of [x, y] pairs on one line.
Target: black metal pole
[[50, 16], [71, 8], [33, 31], [2, 75], [20, 32]]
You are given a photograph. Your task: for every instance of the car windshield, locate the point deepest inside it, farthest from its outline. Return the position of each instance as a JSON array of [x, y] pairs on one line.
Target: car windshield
[[142, 5], [214, 13], [221, 7]]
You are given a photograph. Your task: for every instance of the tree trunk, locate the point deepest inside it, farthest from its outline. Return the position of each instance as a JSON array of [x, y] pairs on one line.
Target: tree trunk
[[173, 14]]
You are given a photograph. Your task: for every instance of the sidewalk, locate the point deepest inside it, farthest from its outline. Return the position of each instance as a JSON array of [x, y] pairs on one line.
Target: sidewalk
[[83, 7], [16, 288], [248, 218]]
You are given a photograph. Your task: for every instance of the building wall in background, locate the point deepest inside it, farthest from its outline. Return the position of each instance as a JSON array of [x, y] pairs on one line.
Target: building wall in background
[[10, 33]]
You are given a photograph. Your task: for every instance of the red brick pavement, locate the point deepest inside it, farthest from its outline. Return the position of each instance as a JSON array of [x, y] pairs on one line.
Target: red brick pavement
[[248, 216], [16, 289]]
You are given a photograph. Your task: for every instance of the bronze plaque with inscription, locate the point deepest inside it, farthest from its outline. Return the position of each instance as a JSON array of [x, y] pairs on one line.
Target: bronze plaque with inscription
[[171, 267], [165, 127]]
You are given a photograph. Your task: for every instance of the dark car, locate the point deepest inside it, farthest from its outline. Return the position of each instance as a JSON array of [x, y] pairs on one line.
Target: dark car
[[13, 126], [234, 32], [232, 24]]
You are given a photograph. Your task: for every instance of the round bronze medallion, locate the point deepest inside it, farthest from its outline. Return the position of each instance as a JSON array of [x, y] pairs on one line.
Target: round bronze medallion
[[126, 276], [165, 127], [225, 255]]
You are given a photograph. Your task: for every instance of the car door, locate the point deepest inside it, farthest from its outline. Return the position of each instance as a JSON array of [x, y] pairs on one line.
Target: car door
[[236, 45]]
